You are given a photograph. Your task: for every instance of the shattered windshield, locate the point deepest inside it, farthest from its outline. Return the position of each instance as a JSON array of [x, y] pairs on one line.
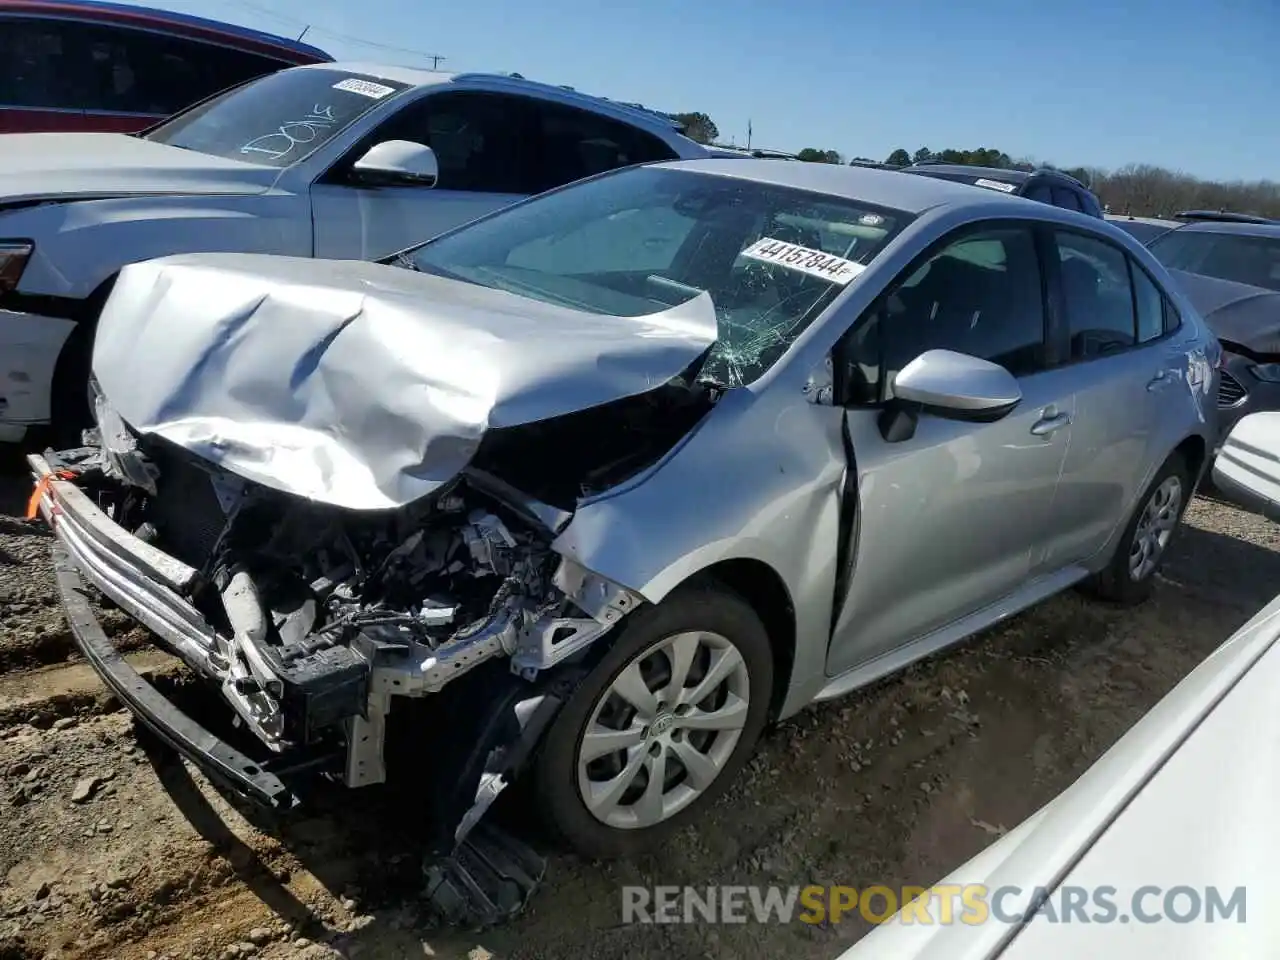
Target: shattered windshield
[[647, 239], [1227, 256], [279, 119]]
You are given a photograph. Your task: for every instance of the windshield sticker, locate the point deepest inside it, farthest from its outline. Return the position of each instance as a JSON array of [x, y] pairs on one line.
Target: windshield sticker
[[871, 220], [994, 185], [366, 88], [804, 259], [280, 142]]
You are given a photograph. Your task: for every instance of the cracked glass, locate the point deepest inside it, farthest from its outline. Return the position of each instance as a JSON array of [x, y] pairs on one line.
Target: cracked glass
[[646, 239]]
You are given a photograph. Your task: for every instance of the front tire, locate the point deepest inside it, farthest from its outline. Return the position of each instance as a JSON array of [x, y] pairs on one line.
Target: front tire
[[71, 412], [1130, 576], [660, 727]]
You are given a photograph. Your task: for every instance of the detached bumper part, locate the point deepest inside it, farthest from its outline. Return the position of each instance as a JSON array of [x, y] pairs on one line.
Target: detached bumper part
[[488, 879], [212, 755]]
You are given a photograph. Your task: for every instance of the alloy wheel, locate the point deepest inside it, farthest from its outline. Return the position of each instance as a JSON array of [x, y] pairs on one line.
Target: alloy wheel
[[1155, 526], [663, 730]]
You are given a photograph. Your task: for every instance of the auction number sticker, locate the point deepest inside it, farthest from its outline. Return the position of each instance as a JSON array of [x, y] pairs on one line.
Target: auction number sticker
[[804, 259], [366, 88], [995, 185]]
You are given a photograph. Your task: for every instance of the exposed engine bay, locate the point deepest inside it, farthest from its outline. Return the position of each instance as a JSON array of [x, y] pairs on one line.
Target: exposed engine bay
[[321, 614], [309, 618]]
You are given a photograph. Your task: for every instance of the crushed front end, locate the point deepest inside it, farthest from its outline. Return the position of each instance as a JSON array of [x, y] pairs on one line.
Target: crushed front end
[[310, 619]]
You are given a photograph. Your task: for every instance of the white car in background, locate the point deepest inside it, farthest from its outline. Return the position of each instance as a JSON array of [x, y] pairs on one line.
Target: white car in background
[[334, 160], [1179, 813]]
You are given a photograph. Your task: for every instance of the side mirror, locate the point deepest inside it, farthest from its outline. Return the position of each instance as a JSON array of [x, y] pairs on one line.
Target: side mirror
[[951, 385], [1247, 467], [399, 162]]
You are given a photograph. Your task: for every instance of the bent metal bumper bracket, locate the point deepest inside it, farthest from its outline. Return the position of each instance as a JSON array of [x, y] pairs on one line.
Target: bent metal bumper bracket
[[206, 751]]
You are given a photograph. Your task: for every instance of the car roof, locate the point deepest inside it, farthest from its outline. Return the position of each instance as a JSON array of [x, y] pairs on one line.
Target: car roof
[[964, 170], [1153, 221], [413, 76], [516, 85], [150, 17], [885, 188], [1271, 230]]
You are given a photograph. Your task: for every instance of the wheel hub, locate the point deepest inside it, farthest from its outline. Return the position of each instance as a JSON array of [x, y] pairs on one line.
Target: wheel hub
[[661, 724]]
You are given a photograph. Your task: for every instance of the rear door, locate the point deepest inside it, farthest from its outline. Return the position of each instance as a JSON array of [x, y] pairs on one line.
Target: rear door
[[954, 518], [1123, 368]]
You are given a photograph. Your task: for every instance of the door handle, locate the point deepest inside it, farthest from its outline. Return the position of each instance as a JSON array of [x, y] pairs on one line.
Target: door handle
[[1158, 380], [1048, 425]]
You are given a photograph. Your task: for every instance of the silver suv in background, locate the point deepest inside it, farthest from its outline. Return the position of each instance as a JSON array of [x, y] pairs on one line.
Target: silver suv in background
[[335, 160]]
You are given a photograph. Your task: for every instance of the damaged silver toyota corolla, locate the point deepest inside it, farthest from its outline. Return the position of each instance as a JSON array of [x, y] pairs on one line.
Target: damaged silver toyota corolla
[[592, 487]]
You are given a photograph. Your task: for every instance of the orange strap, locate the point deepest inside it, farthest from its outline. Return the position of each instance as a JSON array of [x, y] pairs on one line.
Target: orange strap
[[42, 487]]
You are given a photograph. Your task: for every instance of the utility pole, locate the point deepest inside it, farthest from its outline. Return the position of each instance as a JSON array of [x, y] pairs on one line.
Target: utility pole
[[435, 59]]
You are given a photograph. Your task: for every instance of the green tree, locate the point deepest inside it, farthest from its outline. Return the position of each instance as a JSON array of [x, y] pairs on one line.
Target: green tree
[[697, 126], [814, 155], [899, 158], [924, 153]]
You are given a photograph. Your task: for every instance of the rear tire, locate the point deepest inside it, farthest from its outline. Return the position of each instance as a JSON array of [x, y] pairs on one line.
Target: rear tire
[[1130, 576]]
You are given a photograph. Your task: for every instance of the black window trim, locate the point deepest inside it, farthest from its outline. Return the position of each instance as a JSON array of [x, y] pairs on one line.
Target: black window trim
[[1050, 322], [1060, 294]]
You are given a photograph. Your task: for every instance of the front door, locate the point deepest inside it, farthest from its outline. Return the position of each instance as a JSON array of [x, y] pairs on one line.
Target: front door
[[950, 520]]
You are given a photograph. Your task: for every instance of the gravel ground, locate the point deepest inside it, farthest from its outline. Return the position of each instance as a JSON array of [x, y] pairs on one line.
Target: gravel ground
[[111, 849]]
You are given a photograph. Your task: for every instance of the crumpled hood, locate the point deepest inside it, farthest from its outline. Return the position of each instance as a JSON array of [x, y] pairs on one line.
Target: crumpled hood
[[1238, 312], [358, 384], [58, 166]]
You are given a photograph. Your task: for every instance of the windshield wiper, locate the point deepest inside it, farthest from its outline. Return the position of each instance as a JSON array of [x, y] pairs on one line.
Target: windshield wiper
[[405, 261]]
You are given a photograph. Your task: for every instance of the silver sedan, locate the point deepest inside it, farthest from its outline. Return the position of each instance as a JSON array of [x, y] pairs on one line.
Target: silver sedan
[[617, 475]]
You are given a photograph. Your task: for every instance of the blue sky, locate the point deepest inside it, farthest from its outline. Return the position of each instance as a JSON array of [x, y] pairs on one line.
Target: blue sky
[[1189, 84]]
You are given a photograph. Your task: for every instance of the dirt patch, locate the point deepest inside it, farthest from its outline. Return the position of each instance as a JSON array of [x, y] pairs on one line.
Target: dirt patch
[[109, 848]]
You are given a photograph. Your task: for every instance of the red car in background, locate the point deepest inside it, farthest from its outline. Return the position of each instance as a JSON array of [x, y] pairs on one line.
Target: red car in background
[[87, 65]]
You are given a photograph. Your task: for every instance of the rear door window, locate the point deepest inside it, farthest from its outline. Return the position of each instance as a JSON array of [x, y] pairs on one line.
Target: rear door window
[[1150, 303], [1098, 295], [574, 144]]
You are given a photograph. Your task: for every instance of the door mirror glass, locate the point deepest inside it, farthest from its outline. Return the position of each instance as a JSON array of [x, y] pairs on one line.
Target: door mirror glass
[[398, 162], [1247, 468], [957, 386]]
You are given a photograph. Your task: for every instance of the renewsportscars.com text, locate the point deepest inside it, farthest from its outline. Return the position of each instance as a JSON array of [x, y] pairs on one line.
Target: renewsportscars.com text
[[942, 904]]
